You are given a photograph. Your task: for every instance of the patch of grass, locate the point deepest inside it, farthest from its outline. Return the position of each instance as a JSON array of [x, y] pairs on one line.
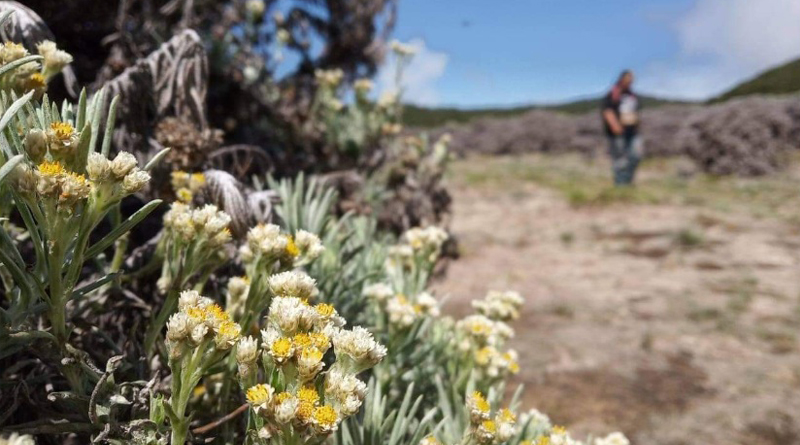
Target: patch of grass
[[700, 315], [587, 182], [741, 294], [567, 238], [563, 310], [780, 342], [689, 238]]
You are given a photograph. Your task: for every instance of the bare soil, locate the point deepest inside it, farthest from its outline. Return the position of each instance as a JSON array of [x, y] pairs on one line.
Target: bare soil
[[673, 321]]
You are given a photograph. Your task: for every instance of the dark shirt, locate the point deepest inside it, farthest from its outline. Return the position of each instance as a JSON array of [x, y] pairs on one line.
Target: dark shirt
[[625, 105]]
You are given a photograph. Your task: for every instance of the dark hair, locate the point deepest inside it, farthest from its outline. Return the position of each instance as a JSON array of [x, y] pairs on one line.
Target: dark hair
[[623, 74]]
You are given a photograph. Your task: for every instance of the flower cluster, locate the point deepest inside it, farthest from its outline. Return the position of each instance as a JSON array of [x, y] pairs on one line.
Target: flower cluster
[[198, 337], [301, 402], [484, 428], [33, 75], [265, 242], [483, 338], [497, 305], [62, 189], [200, 324], [403, 311], [191, 243], [186, 185], [426, 242], [207, 225], [59, 140]]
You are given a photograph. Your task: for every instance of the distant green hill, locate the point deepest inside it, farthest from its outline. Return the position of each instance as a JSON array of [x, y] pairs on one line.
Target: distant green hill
[[783, 79], [423, 117]]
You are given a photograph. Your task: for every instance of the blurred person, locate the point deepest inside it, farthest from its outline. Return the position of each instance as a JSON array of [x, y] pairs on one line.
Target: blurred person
[[620, 111]]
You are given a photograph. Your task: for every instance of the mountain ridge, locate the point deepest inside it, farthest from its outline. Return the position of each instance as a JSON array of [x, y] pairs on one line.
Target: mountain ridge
[[781, 79]]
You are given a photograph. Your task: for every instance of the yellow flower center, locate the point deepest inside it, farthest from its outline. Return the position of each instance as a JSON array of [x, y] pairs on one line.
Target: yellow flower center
[[281, 347], [229, 328], [291, 248], [320, 340], [51, 168], [199, 178], [308, 394], [301, 340], [36, 81], [483, 356], [215, 312], [325, 310], [480, 402], [305, 410], [62, 130], [506, 415], [197, 314], [489, 426], [183, 194], [326, 416], [282, 397], [258, 394], [311, 353]]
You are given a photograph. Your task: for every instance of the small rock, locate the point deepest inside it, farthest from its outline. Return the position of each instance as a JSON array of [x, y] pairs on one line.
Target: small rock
[[710, 262], [652, 248]]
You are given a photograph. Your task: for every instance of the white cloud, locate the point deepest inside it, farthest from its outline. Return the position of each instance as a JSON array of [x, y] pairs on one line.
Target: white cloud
[[722, 42], [419, 76]]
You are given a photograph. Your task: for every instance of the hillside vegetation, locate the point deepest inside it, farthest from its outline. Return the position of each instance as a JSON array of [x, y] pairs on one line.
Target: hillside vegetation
[[783, 79]]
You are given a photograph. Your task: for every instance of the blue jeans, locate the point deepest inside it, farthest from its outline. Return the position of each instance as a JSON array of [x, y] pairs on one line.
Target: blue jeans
[[625, 154]]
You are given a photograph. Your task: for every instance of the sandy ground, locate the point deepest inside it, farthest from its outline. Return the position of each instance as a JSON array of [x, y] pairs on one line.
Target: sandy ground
[[675, 324]]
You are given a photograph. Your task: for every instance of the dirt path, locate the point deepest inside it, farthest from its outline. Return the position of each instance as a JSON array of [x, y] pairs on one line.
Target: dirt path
[[674, 324]]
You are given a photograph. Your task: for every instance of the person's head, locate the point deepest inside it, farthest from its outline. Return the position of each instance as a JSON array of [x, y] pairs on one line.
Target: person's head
[[625, 79]]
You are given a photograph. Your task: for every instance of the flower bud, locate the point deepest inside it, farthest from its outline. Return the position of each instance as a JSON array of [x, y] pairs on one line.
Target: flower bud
[[135, 181], [123, 164], [98, 167], [177, 327], [247, 350], [199, 333], [36, 144]]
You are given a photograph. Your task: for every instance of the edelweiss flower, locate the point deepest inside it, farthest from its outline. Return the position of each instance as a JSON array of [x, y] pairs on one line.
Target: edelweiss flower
[[285, 407], [247, 350], [293, 284], [281, 350], [506, 421], [616, 438], [178, 327], [479, 409], [309, 244], [259, 397], [360, 346], [286, 313], [309, 363], [378, 291], [485, 433], [266, 239], [401, 311], [325, 419], [228, 334]]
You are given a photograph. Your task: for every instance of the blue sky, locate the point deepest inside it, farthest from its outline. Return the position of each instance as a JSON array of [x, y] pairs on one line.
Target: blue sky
[[505, 52]]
